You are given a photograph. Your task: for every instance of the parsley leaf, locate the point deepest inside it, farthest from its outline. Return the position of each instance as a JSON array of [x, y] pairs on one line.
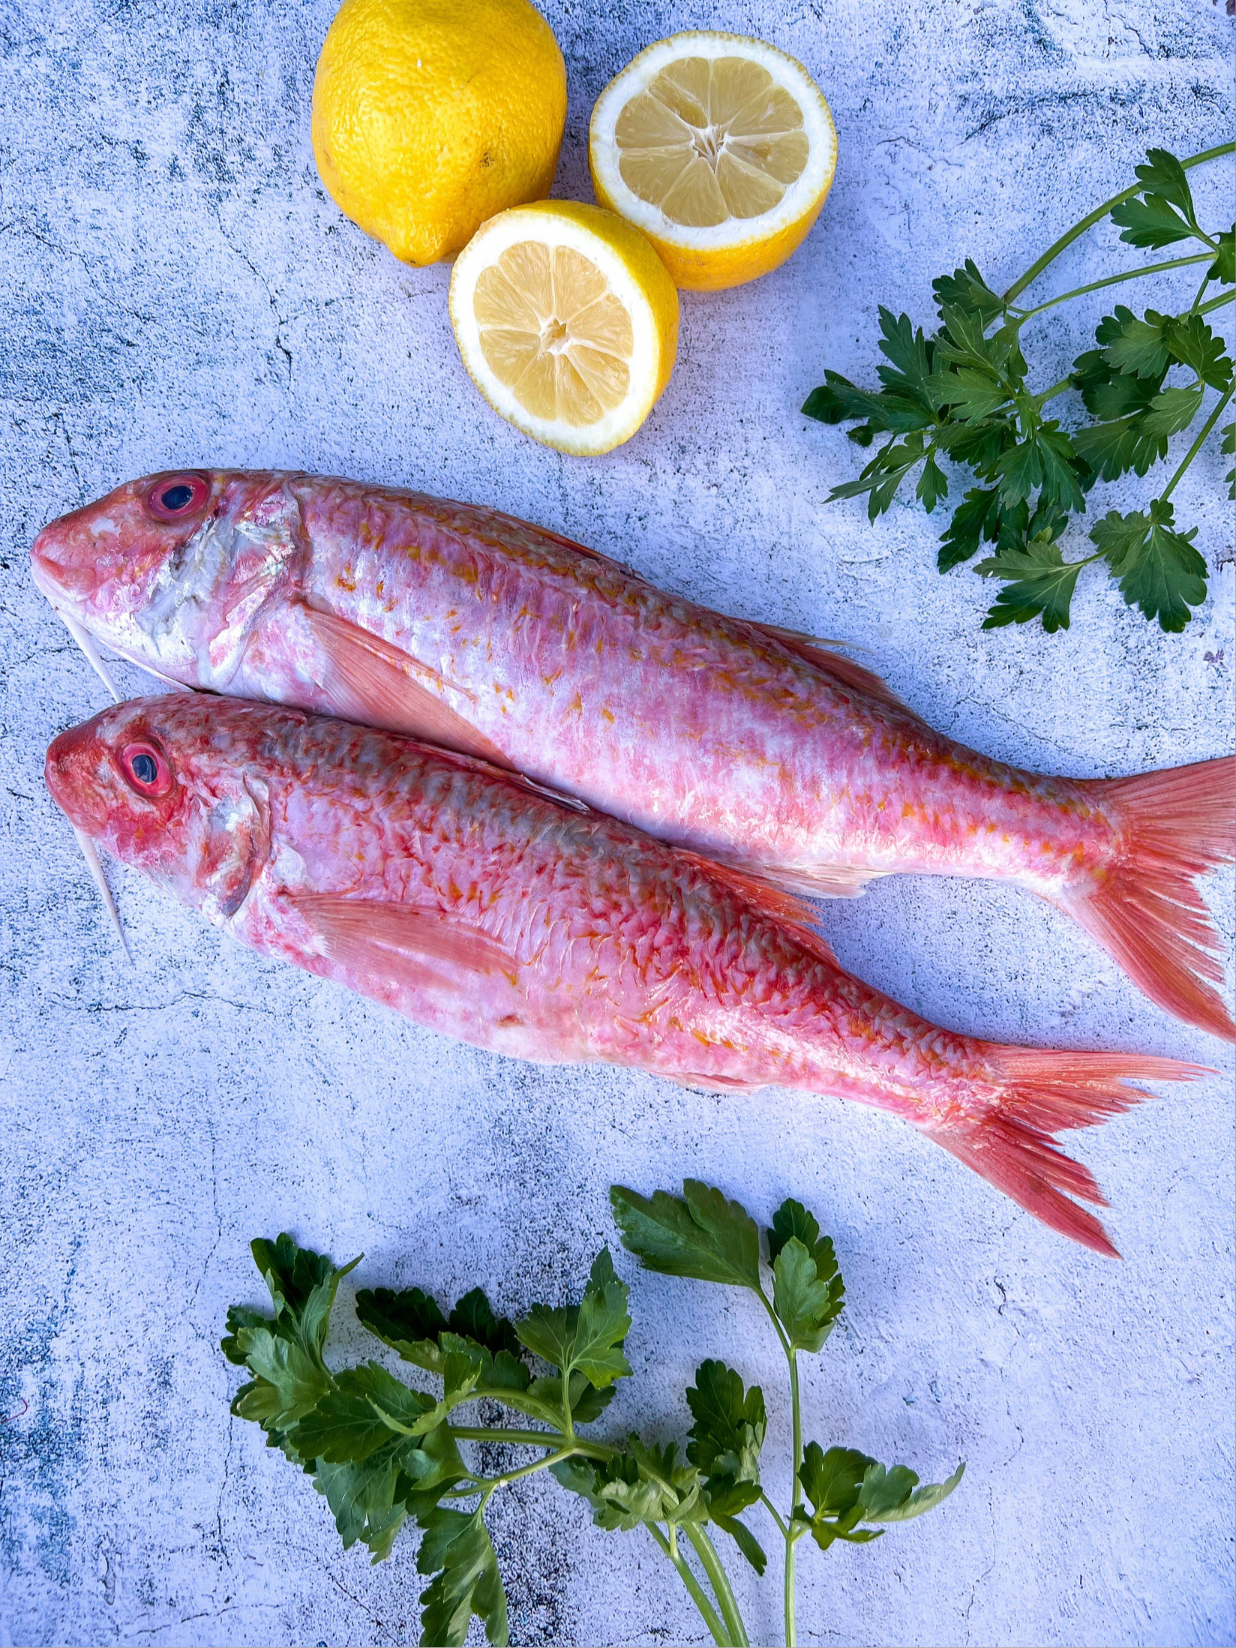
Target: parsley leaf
[[846, 1487], [976, 518], [1227, 446], [729, 1424], [1193, 344], [363, 1499], [907, 378], [965, 288], [359, 1413], [1041, 585], [1162, 213], [1157, 568], [409, 1321], [894, 1496], [1171, 410], [1137, 347], [1223, 269], [1112, 448], [588, 1336], [1108, 394], [701, 1234], [832, 1482], [457, 1550], [725, 1442], [808, 1293]]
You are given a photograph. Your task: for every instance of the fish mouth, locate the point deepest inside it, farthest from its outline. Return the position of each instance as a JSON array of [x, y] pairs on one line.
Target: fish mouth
[[59, 569], [70, 773]]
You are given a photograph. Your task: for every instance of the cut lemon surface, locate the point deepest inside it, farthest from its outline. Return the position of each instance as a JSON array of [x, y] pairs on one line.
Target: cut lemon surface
[[720, 149], [567, 322]]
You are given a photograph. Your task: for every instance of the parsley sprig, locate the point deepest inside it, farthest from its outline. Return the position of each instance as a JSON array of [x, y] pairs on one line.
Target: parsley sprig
[[961, 394], [384, 1453]]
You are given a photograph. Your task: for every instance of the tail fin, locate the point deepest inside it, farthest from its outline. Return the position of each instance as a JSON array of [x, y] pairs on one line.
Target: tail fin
[[1045, 1093], [1147, 913]]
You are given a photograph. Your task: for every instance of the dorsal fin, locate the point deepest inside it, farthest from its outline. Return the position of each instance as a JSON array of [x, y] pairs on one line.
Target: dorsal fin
[[786, 908], [367, 679], [508, 775], [842, 669]]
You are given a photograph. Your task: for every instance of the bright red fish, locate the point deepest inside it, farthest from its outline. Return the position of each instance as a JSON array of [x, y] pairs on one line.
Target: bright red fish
[[759, 747], [475, 903]]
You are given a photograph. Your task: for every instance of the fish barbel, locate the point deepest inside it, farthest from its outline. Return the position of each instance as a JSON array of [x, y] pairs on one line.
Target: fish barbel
[[759, 747], [473, 902]]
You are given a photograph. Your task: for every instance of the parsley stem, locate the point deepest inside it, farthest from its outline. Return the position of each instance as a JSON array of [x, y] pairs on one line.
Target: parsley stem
[[1097, 216], [532, 1439], [797, 1494], [1115, 280], [1211, 421], [1197, 296], [797, 1419], [1056, 389], [775, 1514], [489, 1483], [715, 1569], [1214, 303], [707, 1612]]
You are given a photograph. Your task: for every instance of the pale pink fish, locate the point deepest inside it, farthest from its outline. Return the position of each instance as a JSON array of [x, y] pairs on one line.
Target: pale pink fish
[[759, 747], [473, 902]]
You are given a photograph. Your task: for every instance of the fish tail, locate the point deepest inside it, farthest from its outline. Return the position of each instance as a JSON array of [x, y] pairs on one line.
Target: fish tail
[[1011, 1145], [1146, 912]]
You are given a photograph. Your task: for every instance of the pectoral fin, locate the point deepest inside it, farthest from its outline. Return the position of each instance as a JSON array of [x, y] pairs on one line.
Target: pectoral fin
[[394, 941], [367, 679]]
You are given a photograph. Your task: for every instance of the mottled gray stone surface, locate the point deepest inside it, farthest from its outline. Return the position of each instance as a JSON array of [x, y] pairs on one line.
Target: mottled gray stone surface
[[178, 290]]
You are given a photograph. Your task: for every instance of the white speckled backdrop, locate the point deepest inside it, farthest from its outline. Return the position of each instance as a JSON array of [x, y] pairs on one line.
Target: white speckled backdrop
[[179, 290]]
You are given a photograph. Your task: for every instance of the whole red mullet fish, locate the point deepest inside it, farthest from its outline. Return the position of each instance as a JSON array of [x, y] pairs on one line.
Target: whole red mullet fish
[[473, 902], [757, 746]]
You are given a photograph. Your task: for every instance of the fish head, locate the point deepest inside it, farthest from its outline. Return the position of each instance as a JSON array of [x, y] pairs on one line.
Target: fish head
[[172, 571], [174, 786]]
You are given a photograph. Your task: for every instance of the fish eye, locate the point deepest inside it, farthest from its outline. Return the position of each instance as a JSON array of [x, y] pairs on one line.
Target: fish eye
[[177, 497], [146, 770]]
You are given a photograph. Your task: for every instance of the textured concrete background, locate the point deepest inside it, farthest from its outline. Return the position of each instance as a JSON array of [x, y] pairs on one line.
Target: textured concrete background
[[178, 290]]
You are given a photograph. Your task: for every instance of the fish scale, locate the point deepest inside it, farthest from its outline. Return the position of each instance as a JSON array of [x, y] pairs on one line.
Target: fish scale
[[465, 898]]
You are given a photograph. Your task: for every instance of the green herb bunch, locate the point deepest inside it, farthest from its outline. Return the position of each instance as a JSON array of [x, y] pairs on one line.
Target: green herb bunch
[[384, 1453], [962, 394]]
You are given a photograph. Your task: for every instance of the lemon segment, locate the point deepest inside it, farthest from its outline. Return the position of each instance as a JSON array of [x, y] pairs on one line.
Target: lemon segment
[[567, 323], [720, 149]]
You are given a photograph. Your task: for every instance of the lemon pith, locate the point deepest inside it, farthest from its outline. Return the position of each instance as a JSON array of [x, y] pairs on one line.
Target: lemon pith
[[429, 117], [720, 149], [567, 322]]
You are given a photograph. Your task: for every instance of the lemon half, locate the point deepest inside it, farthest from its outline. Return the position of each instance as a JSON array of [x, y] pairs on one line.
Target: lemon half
[[567, 322], [720, 148]]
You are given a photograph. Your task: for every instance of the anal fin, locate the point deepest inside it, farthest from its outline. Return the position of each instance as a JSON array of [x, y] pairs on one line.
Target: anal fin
[[369, 680], [713, 1084]]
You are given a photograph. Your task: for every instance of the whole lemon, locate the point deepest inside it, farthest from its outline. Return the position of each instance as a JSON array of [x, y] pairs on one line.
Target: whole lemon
[[431, 115]]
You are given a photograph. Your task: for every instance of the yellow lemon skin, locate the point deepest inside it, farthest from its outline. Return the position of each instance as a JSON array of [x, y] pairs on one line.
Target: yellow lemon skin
[[431, 115], [718, 268]]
